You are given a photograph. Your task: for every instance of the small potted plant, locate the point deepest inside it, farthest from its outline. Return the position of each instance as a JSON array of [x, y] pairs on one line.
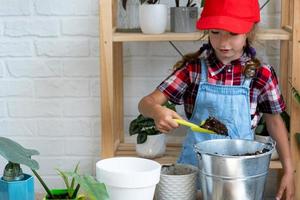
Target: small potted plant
[[73, 181], [150, 142], [184, 18], [14, 184]]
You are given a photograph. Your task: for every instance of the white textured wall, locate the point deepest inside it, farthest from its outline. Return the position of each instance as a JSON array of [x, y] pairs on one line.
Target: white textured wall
[[49, 78]]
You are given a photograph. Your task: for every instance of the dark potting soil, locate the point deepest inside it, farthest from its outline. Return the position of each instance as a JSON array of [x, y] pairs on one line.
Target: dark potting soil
[[215, 125], [175, 170], [264, 150]]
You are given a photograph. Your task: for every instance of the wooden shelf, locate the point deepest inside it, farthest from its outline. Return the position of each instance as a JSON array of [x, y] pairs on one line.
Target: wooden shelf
[[262, 34], [172, 152]]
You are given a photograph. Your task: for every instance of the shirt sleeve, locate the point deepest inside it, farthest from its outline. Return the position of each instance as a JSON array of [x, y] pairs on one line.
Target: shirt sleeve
[[174, 86], [270, 99]]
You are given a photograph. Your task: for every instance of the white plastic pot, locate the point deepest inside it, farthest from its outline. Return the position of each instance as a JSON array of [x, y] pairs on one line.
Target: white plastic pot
[[153, 18], [154, 147], [128, 178]]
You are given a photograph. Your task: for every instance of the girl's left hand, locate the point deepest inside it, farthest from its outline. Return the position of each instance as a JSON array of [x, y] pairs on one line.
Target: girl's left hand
[[287, 186]]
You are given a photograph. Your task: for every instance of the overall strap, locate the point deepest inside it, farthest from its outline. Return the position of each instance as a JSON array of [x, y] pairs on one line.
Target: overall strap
[[247, 82], [203, 71]]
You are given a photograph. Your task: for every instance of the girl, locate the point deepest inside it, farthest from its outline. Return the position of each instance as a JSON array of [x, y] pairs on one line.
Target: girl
[[228, 83]]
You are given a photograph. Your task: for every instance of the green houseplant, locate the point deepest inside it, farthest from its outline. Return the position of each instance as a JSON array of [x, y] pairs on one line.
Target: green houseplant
[[124, 2], [16, 154], [14, 184], [150, 142], [144, 126], [73, 182]]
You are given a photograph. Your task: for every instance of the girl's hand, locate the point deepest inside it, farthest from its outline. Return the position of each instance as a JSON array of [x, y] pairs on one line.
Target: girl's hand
[[286, 185], [163, 119]]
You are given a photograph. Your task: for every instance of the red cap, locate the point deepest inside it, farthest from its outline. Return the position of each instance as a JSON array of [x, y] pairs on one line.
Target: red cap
[[237, 16]]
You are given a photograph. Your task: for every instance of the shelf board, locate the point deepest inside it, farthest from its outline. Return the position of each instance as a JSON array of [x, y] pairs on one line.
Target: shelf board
[[262, 34], [172, 153]]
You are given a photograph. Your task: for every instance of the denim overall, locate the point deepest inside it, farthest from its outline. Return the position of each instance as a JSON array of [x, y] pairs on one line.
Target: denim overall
[[229, 104]]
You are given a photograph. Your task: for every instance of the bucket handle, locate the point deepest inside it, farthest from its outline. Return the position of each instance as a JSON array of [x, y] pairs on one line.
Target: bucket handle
[[197, 153]]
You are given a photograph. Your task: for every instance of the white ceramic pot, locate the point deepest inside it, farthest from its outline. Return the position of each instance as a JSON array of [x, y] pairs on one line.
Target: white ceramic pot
[[153, 18], [266, 139], [177, 182], [128, 178], [155, 146]]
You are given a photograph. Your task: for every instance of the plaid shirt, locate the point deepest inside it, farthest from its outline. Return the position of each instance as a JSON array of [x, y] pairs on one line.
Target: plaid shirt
[[181, 86]]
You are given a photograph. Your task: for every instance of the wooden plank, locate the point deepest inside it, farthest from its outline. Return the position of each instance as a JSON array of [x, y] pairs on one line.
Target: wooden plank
[[118, 92], [263, 34], [284, 69], [295, 107], [107, 83]]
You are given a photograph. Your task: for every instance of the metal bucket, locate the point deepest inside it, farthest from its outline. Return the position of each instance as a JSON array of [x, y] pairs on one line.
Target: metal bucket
[[226, 173]]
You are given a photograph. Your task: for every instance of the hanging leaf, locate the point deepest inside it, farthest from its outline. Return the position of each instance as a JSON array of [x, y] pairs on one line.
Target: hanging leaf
[[296, 94], [141, 138], [124, 2]]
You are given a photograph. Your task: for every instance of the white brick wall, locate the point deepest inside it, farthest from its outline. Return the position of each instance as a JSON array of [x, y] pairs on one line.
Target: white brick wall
[[49, 78]]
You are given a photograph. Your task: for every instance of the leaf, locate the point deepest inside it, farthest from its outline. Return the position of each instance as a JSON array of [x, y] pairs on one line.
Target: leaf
[[94, 189], [142, 1], [66, 181], [202, 3], [296, 94], [124, 2], [73, 179], [141, 138]]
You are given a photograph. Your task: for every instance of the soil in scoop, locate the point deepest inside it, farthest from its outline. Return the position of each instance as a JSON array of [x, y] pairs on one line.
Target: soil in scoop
[[215, 125]]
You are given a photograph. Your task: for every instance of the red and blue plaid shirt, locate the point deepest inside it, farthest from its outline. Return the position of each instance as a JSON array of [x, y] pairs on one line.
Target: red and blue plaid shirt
[[181, 86]]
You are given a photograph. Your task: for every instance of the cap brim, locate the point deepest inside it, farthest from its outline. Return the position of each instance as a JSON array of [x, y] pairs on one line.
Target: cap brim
[[225, 23]]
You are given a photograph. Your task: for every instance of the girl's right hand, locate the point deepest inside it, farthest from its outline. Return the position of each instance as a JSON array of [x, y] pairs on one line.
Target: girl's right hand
[[163, 118]]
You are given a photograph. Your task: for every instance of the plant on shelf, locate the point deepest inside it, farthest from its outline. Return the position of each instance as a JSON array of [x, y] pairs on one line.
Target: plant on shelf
[[150, 142], [144, 126], [124, 2], [184, 18], [73, 181], [190, 3]]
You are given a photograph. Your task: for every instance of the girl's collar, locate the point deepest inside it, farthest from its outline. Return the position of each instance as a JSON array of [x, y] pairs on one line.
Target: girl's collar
[[215, 66]]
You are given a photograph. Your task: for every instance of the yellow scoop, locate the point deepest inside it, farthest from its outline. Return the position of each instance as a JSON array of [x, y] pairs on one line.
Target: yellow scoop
[[193, 126]]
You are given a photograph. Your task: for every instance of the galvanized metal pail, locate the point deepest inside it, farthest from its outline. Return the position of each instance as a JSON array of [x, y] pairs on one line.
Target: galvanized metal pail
[[227, 173]]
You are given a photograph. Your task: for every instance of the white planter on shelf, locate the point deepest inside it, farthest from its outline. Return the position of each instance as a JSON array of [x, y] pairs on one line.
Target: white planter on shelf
[[153, 18], [155, 146]]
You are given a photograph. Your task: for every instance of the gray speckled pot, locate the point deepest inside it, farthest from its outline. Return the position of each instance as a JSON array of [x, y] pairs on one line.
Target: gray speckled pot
[[183, 19]]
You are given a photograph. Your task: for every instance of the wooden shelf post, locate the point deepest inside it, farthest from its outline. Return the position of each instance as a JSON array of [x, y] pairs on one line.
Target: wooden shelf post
[[111, 73]]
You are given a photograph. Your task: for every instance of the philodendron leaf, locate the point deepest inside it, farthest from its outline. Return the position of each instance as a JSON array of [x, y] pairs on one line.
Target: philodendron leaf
[[14, 152], [296, 94], [141, 138], [94, 189], [124, 2]]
